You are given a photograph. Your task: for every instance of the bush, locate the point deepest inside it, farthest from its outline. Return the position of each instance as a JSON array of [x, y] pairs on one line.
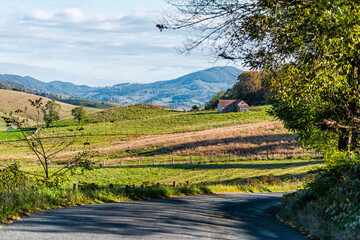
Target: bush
[[328, 207], [12, 179]]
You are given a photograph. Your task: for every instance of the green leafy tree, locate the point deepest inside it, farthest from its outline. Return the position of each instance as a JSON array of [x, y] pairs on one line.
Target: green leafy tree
[[195, 108], [308, 51], [50, 111], [212, 104], [79, 114]]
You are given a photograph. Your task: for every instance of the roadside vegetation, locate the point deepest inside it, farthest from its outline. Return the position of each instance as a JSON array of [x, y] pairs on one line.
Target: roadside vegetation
[[329, 206]]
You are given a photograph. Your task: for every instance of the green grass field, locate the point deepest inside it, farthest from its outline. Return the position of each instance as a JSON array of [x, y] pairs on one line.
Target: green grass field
[[137, 111], [165, 122], [225, 172], [212, 173]]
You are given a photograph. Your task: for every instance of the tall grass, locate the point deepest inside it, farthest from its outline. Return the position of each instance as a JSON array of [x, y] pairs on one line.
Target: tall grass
[[15, 204]]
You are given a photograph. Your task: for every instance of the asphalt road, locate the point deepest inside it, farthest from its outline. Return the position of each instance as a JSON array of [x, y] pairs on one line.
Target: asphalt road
[[223, 216]]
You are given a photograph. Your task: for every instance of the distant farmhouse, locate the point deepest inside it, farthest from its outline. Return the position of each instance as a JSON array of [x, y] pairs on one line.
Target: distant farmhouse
[[225, 106]]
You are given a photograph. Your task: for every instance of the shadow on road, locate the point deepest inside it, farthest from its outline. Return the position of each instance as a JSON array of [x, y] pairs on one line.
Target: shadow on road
[[225, 216]]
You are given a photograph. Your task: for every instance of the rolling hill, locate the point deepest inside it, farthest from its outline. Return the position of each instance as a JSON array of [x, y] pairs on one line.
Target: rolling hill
[[12, 100], [194, 88]]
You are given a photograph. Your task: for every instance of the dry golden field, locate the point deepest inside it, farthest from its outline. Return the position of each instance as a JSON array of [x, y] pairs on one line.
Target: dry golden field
[[12, 100]]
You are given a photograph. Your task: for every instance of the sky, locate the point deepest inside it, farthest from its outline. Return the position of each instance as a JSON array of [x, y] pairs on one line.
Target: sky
[[92, 42]]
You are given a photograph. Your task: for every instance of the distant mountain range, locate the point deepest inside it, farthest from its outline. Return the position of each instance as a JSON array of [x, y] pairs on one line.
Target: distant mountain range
[[184, 92]]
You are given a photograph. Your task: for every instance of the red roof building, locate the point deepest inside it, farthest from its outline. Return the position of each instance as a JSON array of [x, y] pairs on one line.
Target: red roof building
[[232, 106]]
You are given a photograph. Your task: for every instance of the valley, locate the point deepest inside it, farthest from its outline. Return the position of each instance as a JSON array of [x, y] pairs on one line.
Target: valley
[[181, 93]]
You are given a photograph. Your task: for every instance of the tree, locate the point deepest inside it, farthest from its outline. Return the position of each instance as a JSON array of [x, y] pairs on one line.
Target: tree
[[45, 146], [79, 114], [212, 104], [249, 87], [309, 52], [195, 108], [50, 110]]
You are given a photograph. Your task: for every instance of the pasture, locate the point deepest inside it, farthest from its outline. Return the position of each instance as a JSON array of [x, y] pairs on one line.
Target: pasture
[[144, 152]]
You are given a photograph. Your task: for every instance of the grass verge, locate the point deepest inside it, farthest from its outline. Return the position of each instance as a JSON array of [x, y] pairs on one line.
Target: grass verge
[[150, 182], [22, 203]]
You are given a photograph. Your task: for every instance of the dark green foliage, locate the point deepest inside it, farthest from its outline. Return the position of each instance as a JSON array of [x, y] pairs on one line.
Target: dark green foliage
[[212, 104], [195, 108], [332, 201]]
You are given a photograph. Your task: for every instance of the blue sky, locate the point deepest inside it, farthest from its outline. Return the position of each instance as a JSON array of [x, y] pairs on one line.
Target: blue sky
[[92, 42]]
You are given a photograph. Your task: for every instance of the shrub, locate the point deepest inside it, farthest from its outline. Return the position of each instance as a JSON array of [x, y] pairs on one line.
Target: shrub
[[328, 207]]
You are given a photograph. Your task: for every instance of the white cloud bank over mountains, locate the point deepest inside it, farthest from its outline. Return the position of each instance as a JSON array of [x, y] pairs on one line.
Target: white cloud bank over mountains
[[85, 46]]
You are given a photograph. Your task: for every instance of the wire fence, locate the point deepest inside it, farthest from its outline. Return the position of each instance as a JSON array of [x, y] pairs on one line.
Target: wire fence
[[174, 159]]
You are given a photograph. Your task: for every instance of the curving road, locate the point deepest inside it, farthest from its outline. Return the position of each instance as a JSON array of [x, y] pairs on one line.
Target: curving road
[[223, 216]]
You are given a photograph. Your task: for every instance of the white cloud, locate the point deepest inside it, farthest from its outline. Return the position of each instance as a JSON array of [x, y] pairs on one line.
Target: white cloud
[[40, 15], [74, 15], [106, 26]]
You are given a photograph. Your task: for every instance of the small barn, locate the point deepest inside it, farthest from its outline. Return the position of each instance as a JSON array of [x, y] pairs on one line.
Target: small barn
[[11, 128], [225, 106]]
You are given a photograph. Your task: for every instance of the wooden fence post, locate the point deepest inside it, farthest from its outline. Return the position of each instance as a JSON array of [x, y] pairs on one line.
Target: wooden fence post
[[111, 186], [104, 163], [174, 184], [172, 159], [69, 162], [267, 153], [154, 160], [121, 162], [211, 157], [75, 186], [190, 160], [139, 161]]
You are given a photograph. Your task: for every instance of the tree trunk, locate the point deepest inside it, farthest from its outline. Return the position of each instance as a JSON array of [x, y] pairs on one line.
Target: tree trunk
[[344, 141], [354, 141]]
